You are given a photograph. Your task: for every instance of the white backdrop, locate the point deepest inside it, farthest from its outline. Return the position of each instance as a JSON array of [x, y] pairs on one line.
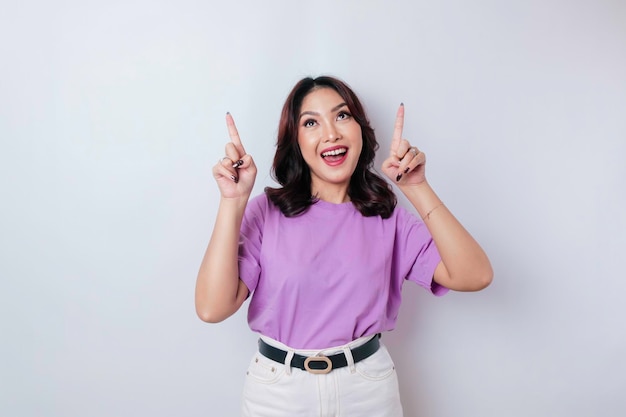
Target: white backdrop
[[112, 114]]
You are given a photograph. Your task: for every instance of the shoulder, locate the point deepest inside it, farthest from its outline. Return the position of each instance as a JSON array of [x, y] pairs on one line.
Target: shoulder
[[257, 215], [406, 221], [400, 215], [260, 206], [258, 203]]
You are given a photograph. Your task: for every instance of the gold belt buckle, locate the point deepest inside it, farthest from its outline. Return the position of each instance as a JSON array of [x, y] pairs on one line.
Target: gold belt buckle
[[329, 364]]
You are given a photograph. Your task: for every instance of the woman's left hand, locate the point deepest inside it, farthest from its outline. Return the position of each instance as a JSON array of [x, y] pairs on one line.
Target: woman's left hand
[[406, 164]]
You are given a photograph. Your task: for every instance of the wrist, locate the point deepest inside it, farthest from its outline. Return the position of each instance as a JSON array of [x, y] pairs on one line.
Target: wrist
[[416, 189], [234, 203], [422, 197]]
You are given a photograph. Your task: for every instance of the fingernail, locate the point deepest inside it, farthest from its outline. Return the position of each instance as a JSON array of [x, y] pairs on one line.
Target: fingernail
[[398, 177], [227, 112], [402, 104], [238, 164], [232, 177], [406, 170]]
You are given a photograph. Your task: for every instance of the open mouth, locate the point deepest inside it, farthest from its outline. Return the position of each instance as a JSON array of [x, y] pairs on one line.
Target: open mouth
[[335, 154]]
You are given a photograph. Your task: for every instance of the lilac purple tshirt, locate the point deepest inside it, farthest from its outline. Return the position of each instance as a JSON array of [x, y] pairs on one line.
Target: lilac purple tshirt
[[330, 275]]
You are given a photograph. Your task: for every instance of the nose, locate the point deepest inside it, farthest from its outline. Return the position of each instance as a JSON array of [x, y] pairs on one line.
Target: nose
[[331, 133]]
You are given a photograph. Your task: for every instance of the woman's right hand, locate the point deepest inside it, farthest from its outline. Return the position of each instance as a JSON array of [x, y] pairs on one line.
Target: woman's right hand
[[235, 173]]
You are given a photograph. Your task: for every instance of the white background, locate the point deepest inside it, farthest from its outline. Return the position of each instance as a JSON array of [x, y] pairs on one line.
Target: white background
[[112, 115]]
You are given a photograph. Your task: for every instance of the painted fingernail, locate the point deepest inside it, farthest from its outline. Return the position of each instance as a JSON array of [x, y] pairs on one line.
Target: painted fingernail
[[402, 104], [238, 164], [227, 112], [232, 177], [406, 170], [398, 177]]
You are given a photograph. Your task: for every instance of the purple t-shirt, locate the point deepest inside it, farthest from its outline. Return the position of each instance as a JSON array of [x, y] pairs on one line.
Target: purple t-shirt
[[330, 275]]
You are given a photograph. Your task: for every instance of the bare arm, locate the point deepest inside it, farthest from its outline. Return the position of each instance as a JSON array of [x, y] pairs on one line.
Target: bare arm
[[219, 291], [464, 265]]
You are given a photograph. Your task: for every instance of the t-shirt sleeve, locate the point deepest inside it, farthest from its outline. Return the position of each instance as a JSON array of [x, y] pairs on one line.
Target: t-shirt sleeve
[[418, 254], [250, 240]]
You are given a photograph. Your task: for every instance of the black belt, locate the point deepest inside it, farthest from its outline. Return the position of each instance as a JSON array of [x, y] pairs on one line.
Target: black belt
[[321, 364]]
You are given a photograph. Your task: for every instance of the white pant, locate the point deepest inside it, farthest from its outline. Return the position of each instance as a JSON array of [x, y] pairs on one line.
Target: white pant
[[367, 388]]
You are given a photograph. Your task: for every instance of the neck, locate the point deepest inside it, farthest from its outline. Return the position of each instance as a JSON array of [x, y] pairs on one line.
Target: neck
[[332, 195]]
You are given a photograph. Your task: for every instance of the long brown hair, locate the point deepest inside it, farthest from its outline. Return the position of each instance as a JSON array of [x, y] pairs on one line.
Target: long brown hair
[[369, 193]]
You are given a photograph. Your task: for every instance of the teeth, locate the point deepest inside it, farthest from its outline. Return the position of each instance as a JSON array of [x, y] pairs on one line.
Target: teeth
[[335, 152]]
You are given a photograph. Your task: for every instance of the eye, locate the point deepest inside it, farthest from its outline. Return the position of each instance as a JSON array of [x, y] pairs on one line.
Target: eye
[[309, 123], [343, 115]]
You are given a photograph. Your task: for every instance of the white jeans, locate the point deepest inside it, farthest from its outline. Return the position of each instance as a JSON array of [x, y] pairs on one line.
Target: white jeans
[[367, 388]]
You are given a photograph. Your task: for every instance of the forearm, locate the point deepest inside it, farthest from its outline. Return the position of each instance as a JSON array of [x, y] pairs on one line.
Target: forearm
[[467, 267], [219, 293]]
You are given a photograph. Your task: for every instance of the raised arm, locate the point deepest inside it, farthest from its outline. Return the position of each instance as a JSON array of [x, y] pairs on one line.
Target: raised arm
[[219, 291], [464, 265]]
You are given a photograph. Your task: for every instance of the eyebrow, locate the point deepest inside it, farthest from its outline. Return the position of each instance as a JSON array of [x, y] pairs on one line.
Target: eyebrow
[[334, 109]]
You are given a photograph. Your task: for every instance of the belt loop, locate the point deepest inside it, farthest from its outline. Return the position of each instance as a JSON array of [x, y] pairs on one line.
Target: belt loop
[[349, 359], [288, 359]]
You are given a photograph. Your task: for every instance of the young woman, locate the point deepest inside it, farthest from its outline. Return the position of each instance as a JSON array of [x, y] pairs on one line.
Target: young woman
[[324, 256]]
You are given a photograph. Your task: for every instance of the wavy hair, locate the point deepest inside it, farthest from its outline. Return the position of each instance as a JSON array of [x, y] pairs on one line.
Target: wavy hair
[[368, 191]]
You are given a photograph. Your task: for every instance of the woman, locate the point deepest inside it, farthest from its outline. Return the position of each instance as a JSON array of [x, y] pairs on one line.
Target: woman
[[324, 256]]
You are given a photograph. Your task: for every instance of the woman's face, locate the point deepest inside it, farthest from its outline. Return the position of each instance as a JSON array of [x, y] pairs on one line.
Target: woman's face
[[330, 140]]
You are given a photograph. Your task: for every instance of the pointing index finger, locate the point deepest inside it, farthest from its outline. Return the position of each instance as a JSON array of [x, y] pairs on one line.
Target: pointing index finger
[[234, 134], [397, 129]]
